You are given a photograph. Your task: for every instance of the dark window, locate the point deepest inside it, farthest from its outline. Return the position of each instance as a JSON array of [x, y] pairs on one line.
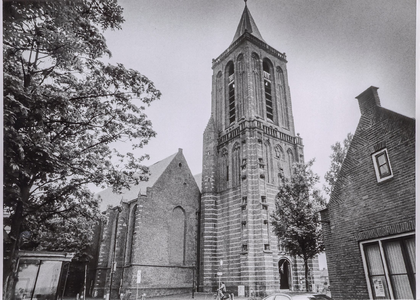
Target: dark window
[[227, 173], [268, 99], [268, 92], [231, 95]]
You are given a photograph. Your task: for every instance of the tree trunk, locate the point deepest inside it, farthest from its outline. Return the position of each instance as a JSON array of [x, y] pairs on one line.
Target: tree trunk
[[305, 260], [9, 274]]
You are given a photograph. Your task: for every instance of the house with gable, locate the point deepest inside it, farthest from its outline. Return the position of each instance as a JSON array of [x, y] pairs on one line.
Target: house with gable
[[149, 237], [369, 223]]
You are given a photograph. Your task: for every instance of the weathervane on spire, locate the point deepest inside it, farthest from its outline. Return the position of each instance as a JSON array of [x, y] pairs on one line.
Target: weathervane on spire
[[245, 2]]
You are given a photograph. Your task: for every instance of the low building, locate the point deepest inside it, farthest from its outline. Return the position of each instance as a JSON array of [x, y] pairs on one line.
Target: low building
[[369, 222], [149, 239], [41, 275]]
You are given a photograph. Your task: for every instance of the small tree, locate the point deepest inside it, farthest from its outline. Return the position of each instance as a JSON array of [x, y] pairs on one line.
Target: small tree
[[296, 220], [337, 159]]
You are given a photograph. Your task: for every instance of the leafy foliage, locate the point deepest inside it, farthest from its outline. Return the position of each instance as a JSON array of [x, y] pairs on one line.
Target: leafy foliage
[[337, 159], [70, 234], [68, 231], [63, 108], [296, 220]]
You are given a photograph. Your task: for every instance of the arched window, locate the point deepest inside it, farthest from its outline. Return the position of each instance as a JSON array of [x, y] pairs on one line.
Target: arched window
[[279, 161], [240, 85], [281, 86], [219, 98], [114, 227], [130, 235], [290, 160], [231, 102], [268, 92], [236, 164], [269, 161], [177, 236], [256, 82], [224, 169]]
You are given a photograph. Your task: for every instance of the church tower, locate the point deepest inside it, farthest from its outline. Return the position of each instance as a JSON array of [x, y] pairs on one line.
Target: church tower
[[249, 142]]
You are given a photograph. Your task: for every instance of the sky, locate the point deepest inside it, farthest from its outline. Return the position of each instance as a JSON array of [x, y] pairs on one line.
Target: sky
[[335, 51]]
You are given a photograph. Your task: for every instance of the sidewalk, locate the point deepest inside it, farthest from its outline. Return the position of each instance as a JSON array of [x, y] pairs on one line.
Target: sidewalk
[[210, 296]]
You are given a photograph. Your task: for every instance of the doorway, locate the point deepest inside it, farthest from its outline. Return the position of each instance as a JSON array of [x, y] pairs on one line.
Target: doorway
[[284, 273]]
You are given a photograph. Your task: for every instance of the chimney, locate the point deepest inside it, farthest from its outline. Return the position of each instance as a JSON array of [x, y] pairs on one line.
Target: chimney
[[368, 100]]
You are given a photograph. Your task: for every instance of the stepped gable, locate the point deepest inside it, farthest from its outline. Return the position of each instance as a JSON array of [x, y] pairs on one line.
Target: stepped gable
[[156, 170]]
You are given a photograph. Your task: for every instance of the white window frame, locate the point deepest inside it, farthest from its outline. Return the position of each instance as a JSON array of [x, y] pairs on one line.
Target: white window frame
[[375, 164], [365, 266]]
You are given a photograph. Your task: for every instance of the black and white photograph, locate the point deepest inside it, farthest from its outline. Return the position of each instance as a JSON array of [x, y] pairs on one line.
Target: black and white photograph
[[209, 149]]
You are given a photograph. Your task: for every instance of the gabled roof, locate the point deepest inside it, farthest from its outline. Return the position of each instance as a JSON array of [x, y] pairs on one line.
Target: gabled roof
[[375, 122], [156, 170], [247, 24]]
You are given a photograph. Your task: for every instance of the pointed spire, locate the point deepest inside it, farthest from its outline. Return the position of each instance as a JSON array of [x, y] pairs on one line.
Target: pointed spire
[[247, 24]]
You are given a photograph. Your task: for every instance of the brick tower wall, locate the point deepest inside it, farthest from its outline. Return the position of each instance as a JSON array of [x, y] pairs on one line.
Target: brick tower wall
[[242, 158]]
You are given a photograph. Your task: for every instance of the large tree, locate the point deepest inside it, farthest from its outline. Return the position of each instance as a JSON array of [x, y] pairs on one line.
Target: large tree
[[296, 220], [337, 158], [63, 108]]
